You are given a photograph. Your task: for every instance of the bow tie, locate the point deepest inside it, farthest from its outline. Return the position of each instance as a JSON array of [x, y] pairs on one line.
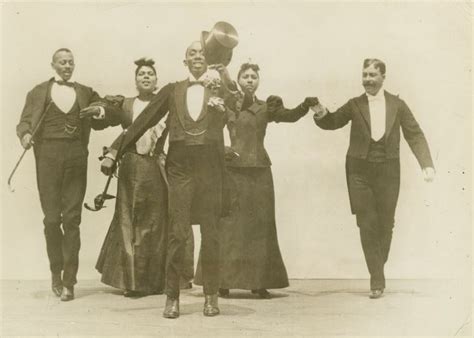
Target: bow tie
[[192, 83], [64, 83]]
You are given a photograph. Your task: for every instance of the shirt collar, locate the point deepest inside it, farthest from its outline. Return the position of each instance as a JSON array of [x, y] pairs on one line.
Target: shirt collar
[[192, 78], [379, 96], [58, 78]]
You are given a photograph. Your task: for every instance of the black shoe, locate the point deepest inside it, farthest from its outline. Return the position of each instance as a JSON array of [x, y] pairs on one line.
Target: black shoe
[[224, 293], [56, 284], [211, 307], [262, 293], [375, 294], [171, 308], [133, 294], [67, 294], [185, 285]]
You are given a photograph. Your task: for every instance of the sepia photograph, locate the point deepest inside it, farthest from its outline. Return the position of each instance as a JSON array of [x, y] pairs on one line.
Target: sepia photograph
[[244, 169]]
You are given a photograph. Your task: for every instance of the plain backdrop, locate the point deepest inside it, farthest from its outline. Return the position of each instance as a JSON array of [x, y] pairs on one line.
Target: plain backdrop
[[303, 49]]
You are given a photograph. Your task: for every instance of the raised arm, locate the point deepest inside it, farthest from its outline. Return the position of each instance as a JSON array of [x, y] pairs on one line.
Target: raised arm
[[331, 121], [278, 113]]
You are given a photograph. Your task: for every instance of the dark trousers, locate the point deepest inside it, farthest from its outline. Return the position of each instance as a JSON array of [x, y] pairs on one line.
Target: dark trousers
[[195, 188], [61, 172], [374, 189]]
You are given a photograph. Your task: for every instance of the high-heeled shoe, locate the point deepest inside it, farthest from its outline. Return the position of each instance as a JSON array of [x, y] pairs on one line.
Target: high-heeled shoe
[[262, 293]]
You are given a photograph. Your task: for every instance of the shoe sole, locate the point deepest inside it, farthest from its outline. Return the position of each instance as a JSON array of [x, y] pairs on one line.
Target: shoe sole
[[375, 297], [170, 316]]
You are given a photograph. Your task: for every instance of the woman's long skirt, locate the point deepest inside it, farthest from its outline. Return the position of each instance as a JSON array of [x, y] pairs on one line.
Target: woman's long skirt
[[133, 255], [250, 257]]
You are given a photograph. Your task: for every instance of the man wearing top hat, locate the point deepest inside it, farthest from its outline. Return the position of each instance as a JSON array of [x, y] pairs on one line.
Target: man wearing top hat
[[373, 162], [60, 148], [194, 168]]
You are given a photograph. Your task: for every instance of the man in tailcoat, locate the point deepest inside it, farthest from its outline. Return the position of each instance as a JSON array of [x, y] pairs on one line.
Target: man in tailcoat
[[195, 170], [373, 163], [60, 149]]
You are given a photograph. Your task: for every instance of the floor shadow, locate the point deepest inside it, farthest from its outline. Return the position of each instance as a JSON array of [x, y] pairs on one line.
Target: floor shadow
[[357, 293], [244, 294], [83, 292], [92, 291], [133, 309], [226, 309]]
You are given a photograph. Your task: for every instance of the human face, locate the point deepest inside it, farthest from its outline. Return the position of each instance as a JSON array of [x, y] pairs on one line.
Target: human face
[[145, 80], [63, 64], [372, 79], [248, 81], [195, 60]]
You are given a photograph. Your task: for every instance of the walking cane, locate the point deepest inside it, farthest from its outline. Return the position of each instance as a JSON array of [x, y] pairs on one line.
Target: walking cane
[[35, 130], [102, 197]]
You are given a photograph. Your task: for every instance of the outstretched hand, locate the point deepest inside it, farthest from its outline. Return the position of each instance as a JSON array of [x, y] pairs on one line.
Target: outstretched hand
[[90, 111], [274, 103], [310, 102], [429, 174]]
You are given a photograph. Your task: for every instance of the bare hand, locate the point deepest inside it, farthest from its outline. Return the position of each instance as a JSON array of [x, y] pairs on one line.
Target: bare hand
[[274, 103], [217, 103], [107, 166], [310, 102], [162, 159], [429, 174], [90, 111], [223, 72], [27, 141], [115, 100], [319, 111], [219, 67], [230, 154]]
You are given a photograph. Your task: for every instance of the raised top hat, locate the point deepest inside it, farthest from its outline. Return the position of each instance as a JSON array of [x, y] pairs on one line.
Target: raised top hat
[[219, 42]]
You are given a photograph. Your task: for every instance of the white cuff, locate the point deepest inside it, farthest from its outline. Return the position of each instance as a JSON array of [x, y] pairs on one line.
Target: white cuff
[[111, 156], [101, 115]]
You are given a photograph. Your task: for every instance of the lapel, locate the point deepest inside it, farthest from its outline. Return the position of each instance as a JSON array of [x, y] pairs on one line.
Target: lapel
[[256, 106], [82, 96], [363, 104], [39, 101], [390, 112], [41, 96], [207, 94], [180, 100]]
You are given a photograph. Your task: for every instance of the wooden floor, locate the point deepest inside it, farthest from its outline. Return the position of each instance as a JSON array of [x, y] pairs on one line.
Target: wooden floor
[[307, 307]]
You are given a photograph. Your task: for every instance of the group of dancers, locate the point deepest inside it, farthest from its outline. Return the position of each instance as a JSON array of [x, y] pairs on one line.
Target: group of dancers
[[175, 170]]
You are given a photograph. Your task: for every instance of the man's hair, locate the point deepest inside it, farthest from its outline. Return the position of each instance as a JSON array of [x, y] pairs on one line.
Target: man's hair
[[189, 47], [378, 64], [61, 50]]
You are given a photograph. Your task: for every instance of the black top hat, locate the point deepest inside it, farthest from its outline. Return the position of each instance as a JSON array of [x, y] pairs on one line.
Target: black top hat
[[219, 42]]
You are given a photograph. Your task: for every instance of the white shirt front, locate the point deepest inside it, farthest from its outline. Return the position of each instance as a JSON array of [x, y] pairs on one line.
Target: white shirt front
[[377, 111], [63, 96], [195, 97]]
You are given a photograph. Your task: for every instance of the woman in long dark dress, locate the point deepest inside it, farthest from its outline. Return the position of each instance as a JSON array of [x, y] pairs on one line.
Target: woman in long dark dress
[[250, 257], [133, 254]]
